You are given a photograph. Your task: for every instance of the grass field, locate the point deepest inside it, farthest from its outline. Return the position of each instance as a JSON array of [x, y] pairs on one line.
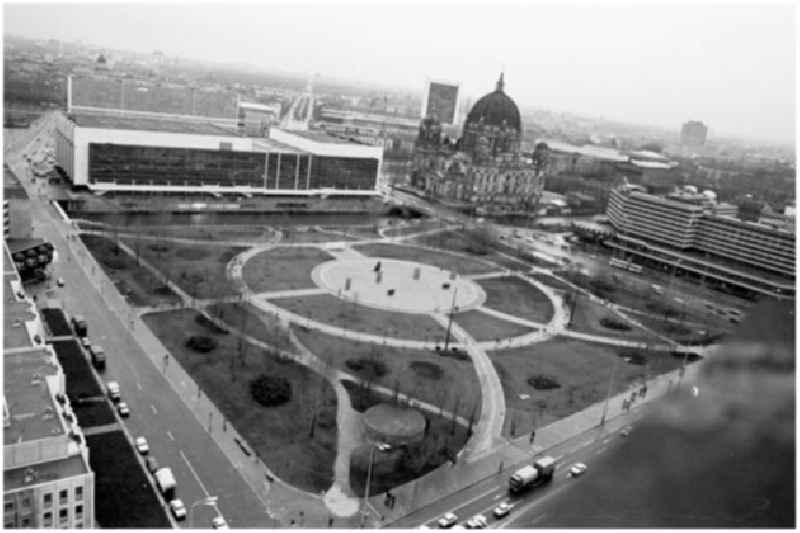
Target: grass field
[[134, 282], [414, 227], [443, 260], [279, 435], [552, 282], [517, 297], [483, 327], [582, 369], [588, 314], [123, 496], [398, 364], [253, 322], [214, 233], [331, 310], [196, 268], [283, 269], [312, 235], [460, 241]]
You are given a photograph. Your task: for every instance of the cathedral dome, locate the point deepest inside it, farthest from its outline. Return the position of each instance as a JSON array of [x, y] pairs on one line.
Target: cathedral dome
[[495, 108]]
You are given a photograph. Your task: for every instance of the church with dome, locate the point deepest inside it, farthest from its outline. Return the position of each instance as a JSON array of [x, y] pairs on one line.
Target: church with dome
[[484, 168]]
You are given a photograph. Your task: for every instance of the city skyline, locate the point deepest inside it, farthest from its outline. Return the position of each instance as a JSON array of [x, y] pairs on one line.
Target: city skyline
[[700, 67]]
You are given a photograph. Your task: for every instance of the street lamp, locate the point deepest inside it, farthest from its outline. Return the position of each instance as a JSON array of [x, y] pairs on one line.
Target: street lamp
[[608, 393], [210, 501], [375, 446]]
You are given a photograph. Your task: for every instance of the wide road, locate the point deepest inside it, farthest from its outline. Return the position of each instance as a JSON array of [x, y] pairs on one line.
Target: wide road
[[175, 436], [484, 496]]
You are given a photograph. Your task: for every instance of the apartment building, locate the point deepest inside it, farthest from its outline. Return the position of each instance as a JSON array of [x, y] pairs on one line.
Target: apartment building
[[47, 480], [684, 232]]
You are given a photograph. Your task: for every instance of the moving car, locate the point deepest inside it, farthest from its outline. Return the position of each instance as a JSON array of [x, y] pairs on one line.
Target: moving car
[[626, 431], [218, 522], [384, 447], [123, 410], [577, 469], [113, 390], [60, 282], [502, 510], [178, 509], [477, 522], [141, 445], [448, 520]]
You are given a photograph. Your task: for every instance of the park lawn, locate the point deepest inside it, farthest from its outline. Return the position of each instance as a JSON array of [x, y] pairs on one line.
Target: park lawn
[[279, 435], [684, 332], [460, 241], [198, 269], [445, 390], [216, 233], [253, 322], [484, 327], [441, 259], [588, 314], [283, 269], [331, 310], [417, 226], [312, 235], [582, 369], [137, 284], [517, 297], [553, 283]]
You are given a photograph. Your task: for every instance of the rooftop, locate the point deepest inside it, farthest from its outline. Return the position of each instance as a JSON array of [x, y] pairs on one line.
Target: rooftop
[[47, 471], [588, 150], [12, 188], [166, 125], [32, 409], [650, 164], [8, 263], [15, 314], [320, 137]]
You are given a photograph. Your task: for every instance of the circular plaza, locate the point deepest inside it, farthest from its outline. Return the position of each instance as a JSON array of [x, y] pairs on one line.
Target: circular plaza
[[404, 286]]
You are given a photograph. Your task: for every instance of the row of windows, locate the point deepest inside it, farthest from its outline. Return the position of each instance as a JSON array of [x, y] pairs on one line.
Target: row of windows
[[178, 166], [47, 500]]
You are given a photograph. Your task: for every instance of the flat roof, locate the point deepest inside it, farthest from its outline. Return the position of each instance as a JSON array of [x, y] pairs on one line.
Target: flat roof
[[599, 152], [32, 409], [322, 137], [166, 125], [67, 467], [15, 314], [12, 188], [271, 145], [8, 263], [17, 245]]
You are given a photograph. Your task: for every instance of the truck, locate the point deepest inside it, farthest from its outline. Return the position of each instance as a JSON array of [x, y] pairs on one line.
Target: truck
[[529, 476], [98, 357], [165, 482], [113, 391], [80, 325]]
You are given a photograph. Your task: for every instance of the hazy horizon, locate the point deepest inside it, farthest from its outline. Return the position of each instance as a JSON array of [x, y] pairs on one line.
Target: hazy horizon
[[733, 67]]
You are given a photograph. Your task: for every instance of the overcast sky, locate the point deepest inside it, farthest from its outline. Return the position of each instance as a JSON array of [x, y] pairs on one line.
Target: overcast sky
[[732, 66]]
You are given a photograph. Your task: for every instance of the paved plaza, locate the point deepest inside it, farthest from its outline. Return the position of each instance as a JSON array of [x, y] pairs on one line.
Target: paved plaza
[[395, 285]]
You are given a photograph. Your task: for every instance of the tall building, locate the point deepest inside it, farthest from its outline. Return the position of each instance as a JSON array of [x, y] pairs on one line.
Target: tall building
[[484, 169], [47, 480], [684, 232], [693, 134]]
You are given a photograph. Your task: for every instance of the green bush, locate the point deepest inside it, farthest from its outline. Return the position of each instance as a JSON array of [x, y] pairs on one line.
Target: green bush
[[270, 391], [613, 323], [427, 370], [201, 344], [373, 368], [542, 382]]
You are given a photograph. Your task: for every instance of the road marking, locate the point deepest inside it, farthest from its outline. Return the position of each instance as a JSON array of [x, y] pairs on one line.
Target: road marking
[[466, 503], [531, 505], [153, 408], [600, 450], [139, 385], [191, 468], [169, 434]]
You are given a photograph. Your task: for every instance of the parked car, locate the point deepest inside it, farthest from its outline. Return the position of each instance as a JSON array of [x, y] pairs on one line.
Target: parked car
[[151, 464], [477, 522], [577, 469], [218, 522], [141, 445], [60, 282], [178, 509], [503, 509], [113, 390], [448, 520], [123, 410], [384, 447]]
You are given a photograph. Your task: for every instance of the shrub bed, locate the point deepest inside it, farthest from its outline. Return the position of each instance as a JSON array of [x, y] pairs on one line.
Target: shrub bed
[[271, 391], [368, 368], [425, 369], [201, 344], [612, 323], [542, 382]]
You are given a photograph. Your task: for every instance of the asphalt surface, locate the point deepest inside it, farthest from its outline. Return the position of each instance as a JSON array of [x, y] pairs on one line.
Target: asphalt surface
[[175, 436], [484, 496]]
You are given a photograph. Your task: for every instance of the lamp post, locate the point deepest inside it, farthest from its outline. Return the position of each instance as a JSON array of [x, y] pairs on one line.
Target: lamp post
[[211, 501], [375, 446], [608, 393]]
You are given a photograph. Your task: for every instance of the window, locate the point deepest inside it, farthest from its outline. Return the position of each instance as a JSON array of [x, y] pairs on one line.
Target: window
[[78, 512], [26, 501], [78, 493], [9, 507], [25, 522], [47, 521], [79, 525], [63, 514], [62, 496], [48, 500]]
